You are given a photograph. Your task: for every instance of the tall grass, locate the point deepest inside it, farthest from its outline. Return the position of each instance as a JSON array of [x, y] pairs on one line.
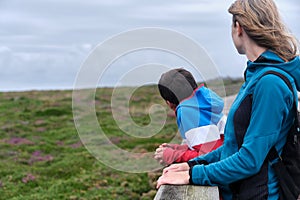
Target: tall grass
[[42, 157]]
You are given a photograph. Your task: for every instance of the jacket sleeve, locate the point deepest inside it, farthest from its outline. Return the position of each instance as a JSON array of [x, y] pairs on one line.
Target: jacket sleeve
[[211, 157], [272, 101], [200, 149], [187, 155]]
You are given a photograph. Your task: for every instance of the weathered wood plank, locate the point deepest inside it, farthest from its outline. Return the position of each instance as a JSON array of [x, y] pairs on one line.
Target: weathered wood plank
[[187, 192]]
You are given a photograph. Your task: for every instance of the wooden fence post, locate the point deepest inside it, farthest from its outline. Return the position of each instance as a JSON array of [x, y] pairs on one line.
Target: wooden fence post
[[187, 192]]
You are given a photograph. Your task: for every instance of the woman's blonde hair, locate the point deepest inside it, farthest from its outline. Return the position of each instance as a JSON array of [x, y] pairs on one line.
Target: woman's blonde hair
[[261, 21]]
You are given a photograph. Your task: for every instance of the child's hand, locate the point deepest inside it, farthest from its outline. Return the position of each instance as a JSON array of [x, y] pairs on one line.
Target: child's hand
[[165, 145], [158, 155]]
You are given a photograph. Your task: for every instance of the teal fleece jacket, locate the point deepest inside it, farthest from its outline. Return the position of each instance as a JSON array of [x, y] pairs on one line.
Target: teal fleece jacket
[[270, 121]]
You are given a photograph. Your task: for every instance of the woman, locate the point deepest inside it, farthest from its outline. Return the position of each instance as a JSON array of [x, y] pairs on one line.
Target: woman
[[257, 32]]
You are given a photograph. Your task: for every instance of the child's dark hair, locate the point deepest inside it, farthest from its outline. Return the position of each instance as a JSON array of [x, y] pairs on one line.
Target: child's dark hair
[[176, 85]]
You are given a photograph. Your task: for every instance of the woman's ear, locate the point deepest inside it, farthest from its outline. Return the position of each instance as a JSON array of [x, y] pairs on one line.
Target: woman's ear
[[239, 28]]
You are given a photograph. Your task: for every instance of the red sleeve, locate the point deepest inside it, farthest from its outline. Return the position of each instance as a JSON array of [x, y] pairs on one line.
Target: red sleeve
[[200, 149]]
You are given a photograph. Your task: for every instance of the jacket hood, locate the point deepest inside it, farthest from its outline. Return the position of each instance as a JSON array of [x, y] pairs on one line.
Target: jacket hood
[[270, 59], [204, 99]]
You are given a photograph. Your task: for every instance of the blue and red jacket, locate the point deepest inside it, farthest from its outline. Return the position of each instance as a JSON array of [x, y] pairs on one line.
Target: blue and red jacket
[[201, 122]]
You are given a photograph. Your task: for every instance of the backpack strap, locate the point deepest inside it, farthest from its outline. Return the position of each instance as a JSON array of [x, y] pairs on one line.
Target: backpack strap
[[288, 83]]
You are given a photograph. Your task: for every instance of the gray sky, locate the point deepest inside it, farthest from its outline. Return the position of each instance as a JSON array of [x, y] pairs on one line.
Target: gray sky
[[43, 43]]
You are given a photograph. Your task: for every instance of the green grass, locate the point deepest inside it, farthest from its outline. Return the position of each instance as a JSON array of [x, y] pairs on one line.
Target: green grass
[[42, 157]]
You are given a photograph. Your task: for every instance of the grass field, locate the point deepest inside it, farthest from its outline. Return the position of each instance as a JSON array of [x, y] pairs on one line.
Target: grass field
[[42, 157]]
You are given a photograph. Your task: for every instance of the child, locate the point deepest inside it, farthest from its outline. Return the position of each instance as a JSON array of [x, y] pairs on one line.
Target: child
[[199, 117]]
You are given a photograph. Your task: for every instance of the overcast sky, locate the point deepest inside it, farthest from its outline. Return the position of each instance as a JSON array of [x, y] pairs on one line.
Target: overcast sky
[[43, 43]]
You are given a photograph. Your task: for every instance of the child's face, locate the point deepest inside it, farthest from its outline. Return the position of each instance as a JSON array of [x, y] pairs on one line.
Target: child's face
[[171, 105]]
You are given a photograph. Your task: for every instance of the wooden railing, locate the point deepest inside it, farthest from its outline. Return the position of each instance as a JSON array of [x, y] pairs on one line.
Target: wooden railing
[[187, 192]]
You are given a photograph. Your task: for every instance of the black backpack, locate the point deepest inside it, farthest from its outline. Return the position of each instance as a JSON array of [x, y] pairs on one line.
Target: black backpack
[[287, 169]]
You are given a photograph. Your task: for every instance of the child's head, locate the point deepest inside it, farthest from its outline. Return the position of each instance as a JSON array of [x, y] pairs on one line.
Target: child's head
[[176, 85]]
